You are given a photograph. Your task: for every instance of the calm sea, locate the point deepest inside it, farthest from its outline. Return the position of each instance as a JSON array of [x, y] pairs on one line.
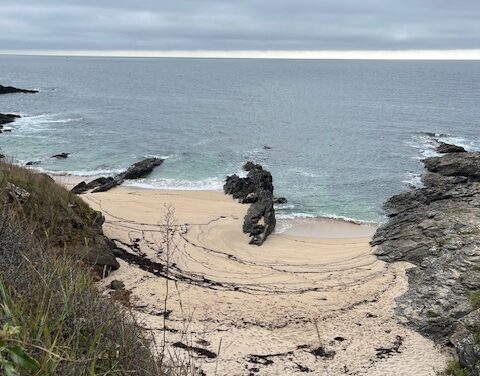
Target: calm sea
[[344, 135]]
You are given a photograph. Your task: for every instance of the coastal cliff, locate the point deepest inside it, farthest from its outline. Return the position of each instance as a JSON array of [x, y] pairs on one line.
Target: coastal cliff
[[437, 229]]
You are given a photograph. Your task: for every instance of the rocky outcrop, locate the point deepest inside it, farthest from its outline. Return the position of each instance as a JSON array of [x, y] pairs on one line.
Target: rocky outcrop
[[11, 90], [135, 171], [437, 228], [445, 148], [140, 169], [256, 189], [7, 119]]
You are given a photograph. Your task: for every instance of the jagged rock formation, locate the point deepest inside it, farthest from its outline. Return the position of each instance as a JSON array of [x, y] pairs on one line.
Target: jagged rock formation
[[6, 119], [135, 171], [255, 189], [437, 228], [11, 90]]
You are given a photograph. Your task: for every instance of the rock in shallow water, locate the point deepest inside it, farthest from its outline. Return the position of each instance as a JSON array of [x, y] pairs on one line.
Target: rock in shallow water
[[135, 171], [11, 90], [437, 228], [257, 189]]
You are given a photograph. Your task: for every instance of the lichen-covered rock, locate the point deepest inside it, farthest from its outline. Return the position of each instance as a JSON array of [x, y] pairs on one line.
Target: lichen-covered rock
[[437, 228]]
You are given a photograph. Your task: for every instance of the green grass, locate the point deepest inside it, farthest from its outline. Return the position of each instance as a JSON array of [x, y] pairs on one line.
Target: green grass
[[52, 212], [454, 369]]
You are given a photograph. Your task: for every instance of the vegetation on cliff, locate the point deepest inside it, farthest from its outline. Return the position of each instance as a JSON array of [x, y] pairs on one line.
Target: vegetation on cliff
[[53, 321]]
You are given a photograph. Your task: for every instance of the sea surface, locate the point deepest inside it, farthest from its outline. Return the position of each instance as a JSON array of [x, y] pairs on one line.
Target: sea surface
[[343, 136]]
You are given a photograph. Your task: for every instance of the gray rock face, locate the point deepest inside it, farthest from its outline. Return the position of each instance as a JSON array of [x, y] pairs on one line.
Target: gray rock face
[[455, 164], [255, 189], [135, 171], [437, 228]]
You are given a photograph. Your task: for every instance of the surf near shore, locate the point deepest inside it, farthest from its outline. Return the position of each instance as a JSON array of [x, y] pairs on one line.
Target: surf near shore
[[311, 299]]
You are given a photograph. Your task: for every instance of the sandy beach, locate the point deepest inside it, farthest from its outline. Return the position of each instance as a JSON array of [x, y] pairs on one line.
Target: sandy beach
[[313, 299]]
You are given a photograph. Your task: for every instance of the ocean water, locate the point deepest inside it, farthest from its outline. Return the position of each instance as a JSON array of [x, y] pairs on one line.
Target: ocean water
[[344, 135]]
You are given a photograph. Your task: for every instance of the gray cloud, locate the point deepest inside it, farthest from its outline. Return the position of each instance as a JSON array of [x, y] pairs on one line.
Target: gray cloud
[[240, 25]]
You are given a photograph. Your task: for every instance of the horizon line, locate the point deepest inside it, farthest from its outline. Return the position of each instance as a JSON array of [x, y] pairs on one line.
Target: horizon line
[[453, 54]]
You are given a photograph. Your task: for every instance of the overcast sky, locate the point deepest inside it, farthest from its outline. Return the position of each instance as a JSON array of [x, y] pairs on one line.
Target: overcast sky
[[225, 25]]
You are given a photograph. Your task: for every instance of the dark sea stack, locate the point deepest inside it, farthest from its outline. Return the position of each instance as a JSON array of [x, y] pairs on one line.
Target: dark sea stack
[[12, 90], [255, 189], [60, 156], [8, 118], [445, 148], [437, 229]]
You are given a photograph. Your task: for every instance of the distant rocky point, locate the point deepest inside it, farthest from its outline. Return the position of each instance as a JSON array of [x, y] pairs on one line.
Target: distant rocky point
[[255, 189], [7, 119], [11, 90], [437, 228], [135, 171]]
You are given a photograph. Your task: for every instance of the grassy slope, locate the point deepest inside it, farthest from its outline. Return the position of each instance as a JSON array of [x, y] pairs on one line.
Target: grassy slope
[[49, 297]]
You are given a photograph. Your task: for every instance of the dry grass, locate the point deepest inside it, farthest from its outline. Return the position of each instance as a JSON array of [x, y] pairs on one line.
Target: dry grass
[[49, 297]]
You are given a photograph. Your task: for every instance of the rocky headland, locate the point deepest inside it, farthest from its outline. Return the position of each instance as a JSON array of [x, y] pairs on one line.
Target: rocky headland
[[437, 229]]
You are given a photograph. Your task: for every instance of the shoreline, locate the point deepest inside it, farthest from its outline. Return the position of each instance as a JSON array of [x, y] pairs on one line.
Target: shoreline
[[302, 301], [306, 226]]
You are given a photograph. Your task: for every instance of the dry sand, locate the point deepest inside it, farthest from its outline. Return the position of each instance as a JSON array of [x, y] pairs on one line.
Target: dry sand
[[313, 299]]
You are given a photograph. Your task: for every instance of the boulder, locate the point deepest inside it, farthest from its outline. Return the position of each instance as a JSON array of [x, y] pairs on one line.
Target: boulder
[[117, 285], [110, 183], [61, 156], [33, 163], [280, 200], [141, 169], [80, 188], [11, 90], [445, 148]]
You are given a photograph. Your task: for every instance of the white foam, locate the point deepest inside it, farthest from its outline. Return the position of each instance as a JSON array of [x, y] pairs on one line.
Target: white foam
[[208, 184], [413, 179], [80, 173]]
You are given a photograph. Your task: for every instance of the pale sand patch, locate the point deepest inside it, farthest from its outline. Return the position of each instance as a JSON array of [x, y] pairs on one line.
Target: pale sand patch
[[265, 300]]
